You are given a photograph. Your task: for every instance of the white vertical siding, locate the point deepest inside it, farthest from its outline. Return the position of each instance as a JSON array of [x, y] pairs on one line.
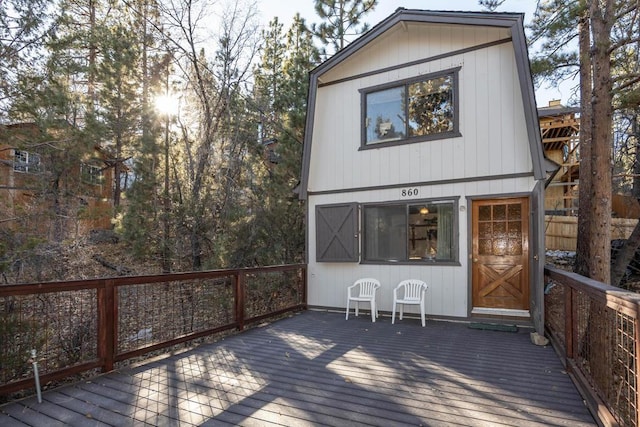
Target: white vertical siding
[[449, 285], [493, 142], [492, 124]]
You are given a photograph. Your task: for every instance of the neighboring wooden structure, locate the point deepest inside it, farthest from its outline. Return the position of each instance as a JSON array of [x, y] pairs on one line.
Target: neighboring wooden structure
[[45, 191], [562, 231], [560, 127], [409, 172]]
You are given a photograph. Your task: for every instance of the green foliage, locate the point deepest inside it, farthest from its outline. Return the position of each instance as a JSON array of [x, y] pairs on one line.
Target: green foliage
[[225, 204], [491, 5], [271, 229], [341, 21], [554, 31], [22, 27]]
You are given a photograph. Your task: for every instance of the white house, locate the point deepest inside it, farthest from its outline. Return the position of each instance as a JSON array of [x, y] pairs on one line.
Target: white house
[[422, 159]]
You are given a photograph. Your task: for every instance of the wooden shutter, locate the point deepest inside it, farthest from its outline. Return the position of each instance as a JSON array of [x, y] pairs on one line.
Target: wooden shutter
[[337, 233]]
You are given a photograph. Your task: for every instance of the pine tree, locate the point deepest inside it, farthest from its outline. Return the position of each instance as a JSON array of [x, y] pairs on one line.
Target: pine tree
[[605, 28], [276, 227], [23, 28], [342, 20], [138, 223], [491, 5]]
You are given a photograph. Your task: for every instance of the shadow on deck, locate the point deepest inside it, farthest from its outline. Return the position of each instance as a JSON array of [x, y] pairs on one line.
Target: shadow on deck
[[315, 368]]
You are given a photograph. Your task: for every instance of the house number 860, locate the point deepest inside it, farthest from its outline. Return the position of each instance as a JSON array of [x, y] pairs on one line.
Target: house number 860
[[409, 192]]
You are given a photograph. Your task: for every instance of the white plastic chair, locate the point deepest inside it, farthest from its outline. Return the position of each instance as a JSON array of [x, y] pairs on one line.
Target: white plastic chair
[[409, 292], [366, 292]]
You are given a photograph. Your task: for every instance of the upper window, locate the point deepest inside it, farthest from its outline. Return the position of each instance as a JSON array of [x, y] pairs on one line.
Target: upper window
[[23, 161], [414, 110], [91, 174], [415, 232]]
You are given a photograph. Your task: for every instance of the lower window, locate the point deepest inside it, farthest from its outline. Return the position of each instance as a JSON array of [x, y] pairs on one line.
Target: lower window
[[415, 232]]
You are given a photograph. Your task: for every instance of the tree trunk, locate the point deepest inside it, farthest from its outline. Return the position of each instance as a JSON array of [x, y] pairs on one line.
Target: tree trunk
[[600, 221], [625, 255], [584, 197], [628, 250]]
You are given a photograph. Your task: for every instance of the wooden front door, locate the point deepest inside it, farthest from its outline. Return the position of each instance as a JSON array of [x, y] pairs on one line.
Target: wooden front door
[[500, 253]]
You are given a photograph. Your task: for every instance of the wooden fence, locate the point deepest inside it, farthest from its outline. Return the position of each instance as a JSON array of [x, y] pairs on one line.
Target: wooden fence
[[561, 231], [595, 329], [91, 325]]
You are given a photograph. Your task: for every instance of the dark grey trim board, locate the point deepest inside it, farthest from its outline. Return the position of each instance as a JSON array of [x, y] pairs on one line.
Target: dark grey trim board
[[537, 257], [422, 183], [520, 322], [412, 140], [455, 200], [308, 131], [417, 62], [498, 196], [528, 100]]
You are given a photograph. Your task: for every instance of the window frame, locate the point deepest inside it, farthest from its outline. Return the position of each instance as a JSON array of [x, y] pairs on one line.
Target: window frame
[[455, 132], [455, 244], [91, 174], [28, 166]]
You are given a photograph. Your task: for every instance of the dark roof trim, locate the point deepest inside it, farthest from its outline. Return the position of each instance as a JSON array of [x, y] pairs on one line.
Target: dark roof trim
[[513, 21], [557, 111]]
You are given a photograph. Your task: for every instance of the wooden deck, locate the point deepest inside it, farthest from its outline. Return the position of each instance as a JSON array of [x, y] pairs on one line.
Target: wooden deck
[[315, 368]]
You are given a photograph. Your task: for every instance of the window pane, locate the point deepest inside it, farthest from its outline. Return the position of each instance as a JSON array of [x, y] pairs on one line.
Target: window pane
[[431, 106], [24, 161], [20, 161], [420, 232], [499, 212], [385, 115], [385, 233], [431, 231]]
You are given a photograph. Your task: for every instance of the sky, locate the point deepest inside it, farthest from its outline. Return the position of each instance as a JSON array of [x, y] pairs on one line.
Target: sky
[[286, 9]]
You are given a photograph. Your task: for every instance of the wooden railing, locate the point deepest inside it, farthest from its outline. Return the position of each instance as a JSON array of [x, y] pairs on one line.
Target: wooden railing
[[595, 328], [92, 325]]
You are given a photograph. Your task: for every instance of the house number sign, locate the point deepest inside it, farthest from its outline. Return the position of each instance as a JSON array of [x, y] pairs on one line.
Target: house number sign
[[409, 192]]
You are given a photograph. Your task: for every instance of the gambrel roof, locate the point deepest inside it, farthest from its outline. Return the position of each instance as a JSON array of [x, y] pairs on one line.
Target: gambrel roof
[[513, 22]]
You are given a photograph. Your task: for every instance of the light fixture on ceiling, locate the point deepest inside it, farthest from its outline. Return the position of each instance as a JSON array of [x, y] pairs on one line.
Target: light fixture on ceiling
[[424, 210]]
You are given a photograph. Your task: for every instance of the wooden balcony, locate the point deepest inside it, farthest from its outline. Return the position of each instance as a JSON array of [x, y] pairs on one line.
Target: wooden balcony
[[316, 368]]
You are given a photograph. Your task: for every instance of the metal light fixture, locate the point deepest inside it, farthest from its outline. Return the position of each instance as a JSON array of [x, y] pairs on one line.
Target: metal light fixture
[[424, 210]]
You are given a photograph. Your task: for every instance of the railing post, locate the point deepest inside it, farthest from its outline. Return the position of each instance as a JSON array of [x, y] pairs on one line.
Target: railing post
[[106, 325], [636, 368], [569, 321], [239, 292]]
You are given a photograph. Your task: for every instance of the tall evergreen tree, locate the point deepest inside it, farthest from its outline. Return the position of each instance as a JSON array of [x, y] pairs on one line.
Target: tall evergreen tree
[[116, 117], [605, 28], [141, 216], [23, 28], [276, 226], [342, 20]]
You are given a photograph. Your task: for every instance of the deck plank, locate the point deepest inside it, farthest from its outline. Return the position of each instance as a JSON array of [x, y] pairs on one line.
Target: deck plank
[[315, 368]]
